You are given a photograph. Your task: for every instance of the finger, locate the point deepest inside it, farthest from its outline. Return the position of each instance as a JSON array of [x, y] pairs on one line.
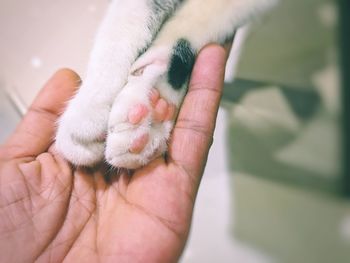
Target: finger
[[36, 131], [193, 132]]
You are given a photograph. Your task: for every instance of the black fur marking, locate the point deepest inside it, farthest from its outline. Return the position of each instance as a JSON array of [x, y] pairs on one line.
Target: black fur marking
[[181, 64]]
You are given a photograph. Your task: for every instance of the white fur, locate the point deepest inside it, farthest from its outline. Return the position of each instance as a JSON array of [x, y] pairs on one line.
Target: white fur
[[202, 22], [84, 122], [121, 134], [102, 99]]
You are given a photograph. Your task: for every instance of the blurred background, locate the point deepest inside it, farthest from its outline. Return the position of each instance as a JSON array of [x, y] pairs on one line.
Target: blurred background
[[276, 186]]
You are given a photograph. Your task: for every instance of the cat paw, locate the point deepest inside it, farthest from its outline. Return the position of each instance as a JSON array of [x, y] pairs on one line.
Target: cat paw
[[81, 134], [142, 115], [142, 135]]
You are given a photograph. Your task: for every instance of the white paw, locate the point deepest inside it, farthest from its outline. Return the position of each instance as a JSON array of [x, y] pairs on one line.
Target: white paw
[[142, 116], [81, 133]]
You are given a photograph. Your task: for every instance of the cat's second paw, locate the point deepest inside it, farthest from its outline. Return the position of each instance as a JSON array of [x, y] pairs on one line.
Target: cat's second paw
[[142, 115], [141, 136]]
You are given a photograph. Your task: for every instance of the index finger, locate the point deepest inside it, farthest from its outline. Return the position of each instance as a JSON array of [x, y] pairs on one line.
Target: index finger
[[193, 132]]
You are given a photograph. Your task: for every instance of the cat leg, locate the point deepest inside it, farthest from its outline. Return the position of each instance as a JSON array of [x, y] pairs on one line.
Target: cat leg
[[140, 122], [127, 29]]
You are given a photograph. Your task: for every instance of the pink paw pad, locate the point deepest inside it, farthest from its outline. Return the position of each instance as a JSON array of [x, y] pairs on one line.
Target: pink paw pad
[[137, 113], [162, 110], [154, 97], [139, 143]]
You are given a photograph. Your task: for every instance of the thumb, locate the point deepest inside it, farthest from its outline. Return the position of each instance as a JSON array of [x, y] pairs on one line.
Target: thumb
[[35, 133]]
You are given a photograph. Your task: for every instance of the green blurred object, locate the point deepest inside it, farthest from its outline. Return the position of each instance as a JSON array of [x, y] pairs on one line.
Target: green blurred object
[[290, 224], [285, 117], [285, 135]]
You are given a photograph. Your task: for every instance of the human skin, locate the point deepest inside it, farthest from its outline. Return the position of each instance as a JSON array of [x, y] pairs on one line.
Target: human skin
[[53, 212]]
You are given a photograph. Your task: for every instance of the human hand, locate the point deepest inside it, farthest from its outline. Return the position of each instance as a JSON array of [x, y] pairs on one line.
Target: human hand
[[52, 212]]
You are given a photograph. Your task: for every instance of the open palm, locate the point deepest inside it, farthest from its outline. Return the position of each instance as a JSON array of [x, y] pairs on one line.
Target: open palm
[[52, 212]]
